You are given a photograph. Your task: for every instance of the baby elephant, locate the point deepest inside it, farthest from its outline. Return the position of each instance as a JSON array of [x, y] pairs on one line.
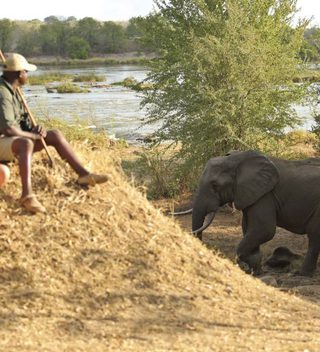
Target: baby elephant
[[270, 192]]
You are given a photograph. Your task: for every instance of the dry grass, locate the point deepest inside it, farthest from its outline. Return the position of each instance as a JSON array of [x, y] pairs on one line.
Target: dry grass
[[106, 271]]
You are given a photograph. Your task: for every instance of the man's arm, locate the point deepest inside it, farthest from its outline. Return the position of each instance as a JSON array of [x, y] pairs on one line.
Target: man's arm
[[17, 132]]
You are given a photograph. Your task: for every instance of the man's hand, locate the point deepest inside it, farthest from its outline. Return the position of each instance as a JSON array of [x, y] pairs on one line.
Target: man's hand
[[40, 131]]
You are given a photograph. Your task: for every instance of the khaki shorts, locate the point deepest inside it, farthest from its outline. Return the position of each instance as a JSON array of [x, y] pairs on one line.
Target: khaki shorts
[[6, 148]]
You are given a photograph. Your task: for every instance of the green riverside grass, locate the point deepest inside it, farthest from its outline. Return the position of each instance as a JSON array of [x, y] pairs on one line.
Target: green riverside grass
[[70, 88], [46, 78], [88, 78], [92, 62]]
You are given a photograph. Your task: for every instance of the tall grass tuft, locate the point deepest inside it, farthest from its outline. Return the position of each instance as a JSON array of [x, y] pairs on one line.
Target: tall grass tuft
[[70, 88], [88, 78]]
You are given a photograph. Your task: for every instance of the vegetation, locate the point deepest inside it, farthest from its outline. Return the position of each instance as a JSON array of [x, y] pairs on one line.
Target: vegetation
[[88, 78], [224, 75], [70, 88], [310, 50], [48, 77], [309, 76], [67, 86], [70, 38], [90, 62], [130, 82]]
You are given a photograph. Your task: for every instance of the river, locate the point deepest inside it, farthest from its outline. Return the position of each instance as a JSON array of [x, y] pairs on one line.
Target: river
[[116, 109]]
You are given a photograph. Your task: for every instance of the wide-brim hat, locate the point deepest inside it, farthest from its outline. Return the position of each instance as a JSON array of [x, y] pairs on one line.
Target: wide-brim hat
[[16, 62]]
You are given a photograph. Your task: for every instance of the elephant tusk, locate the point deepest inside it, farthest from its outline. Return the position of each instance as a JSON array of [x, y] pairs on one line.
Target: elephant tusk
[[185, 212], [208, 221]]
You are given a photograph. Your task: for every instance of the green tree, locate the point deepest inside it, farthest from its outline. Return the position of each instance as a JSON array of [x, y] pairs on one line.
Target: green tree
[[112, 38], [89, 29], [6, 32], [133, 29], [77, 48], [134, 32], [223, 77], [28, 43], [53, 37]]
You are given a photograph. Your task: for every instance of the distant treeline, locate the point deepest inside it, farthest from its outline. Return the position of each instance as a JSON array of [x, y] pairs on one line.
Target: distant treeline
[[80, 39], [71, 38]]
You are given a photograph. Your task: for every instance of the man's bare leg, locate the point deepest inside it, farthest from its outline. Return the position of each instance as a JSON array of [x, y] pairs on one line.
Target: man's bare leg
[[56, 139], [22, 148]]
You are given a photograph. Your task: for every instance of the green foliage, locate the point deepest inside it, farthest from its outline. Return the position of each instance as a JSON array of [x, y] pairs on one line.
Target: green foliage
[[88, 78], [68, 37], [48, 78], [316, 131], [130, 82], [91, 61], [88, 29], [77, 48], [6, 33], [155, 170], [54, 37], [310, 76], [28, 43], [70, 88], [310, 50], [224, 76], [114, 39]]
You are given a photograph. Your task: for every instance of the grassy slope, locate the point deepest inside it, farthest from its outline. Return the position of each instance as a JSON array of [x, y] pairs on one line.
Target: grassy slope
[[106, 271]]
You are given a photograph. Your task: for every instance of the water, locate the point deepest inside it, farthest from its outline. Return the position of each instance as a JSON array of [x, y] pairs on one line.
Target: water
[[115, 109]]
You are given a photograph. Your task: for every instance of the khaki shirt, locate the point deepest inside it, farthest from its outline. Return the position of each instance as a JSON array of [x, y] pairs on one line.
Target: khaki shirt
[[11, 108]]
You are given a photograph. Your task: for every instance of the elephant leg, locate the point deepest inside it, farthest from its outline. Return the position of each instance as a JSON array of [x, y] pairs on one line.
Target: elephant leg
[[259, 226], [310, 261]]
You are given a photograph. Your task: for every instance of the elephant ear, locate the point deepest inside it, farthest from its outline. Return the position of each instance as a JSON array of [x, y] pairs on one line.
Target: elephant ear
[[256, 175]]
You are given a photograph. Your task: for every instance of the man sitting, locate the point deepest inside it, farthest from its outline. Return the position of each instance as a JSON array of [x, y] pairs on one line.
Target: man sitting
[[18, 139]]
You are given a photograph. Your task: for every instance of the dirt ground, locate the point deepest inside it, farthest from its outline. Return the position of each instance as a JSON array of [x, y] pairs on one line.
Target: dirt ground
[[225, 233]]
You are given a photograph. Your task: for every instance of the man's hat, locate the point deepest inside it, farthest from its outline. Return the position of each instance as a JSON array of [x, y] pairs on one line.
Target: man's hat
[[16, 62]]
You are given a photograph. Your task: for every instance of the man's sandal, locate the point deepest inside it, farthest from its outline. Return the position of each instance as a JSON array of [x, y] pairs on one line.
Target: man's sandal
[[31, 203], [92, 179]]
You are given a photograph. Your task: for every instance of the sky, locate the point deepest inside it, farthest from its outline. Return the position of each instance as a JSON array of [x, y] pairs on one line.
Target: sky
[[107, 10]]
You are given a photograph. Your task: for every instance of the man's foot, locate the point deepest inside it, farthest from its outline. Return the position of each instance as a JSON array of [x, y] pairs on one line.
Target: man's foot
[[31, 203], [91, 179]]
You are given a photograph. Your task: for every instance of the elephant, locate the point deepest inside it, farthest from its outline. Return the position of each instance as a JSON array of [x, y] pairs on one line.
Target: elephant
[[270, 192]]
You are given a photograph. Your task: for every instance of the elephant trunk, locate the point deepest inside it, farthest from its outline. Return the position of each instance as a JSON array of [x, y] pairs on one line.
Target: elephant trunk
[[204, 210], [205, 223]]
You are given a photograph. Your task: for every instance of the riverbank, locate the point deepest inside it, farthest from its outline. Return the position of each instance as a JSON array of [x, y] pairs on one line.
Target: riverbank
[[130, 58], [309, 73]]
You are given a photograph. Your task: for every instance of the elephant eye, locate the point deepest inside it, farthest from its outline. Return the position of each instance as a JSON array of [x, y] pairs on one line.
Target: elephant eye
[[214, 184]]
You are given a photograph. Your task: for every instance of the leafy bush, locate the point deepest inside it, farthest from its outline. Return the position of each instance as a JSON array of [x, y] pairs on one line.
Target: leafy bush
[[77, 48]]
